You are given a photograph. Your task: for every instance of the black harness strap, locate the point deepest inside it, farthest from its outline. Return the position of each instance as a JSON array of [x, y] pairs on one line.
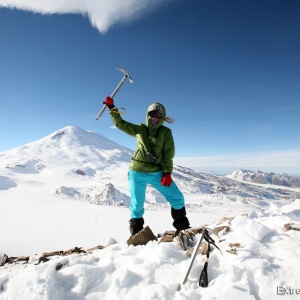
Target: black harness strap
[[146, 162]]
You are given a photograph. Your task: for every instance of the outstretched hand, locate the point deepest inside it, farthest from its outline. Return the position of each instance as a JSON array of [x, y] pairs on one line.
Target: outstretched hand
[[109, 102]]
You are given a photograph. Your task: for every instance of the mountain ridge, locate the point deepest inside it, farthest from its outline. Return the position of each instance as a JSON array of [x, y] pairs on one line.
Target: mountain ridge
[[265, 178], [83, 165]]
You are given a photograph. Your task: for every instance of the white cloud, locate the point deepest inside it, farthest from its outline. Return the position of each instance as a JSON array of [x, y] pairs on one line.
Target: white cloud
[[101, 13], [276, 161]]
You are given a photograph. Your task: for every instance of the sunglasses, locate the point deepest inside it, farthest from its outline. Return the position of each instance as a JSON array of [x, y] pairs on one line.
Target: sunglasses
[[155, 113]]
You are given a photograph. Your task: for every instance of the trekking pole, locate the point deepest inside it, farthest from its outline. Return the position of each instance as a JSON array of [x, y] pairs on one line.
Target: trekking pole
[[203, 279], [196, 248], [126, 75]]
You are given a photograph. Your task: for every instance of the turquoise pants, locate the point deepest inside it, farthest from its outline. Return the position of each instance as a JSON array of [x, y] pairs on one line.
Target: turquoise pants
[[138, 183]]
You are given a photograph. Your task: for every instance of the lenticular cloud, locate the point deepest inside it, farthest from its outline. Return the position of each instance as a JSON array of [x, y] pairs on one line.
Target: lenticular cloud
[[102, 13]]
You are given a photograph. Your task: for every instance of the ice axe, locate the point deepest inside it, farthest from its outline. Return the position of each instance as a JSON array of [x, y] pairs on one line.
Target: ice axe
[[126, 75]]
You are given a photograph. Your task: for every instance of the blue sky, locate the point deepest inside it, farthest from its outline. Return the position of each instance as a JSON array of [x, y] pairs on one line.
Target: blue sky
[[227, 71]]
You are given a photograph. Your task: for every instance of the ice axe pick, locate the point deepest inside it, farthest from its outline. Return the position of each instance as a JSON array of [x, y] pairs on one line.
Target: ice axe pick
[[126, 75]]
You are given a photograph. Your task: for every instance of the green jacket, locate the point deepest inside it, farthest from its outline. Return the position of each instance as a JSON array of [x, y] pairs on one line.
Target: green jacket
[[156, 139]]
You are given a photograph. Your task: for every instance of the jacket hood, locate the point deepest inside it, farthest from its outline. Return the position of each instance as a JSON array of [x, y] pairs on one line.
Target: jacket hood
[[159, 107]]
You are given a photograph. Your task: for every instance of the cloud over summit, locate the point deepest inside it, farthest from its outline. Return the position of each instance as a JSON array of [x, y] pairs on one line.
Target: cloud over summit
[[101, 13]]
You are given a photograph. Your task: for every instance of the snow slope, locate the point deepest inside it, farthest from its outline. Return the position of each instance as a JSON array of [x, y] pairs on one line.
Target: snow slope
[[265, 266], [70, 189]]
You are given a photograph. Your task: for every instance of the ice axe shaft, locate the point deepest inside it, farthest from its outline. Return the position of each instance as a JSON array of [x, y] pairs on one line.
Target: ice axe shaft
[[193, 257], [111, 96], [126, 75]]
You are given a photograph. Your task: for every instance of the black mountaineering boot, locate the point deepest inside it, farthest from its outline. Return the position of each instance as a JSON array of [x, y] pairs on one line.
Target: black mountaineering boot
[[181, 222], [136, 225]]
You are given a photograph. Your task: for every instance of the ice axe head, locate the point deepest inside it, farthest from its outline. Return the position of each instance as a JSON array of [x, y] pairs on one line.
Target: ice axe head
[[126, 74]]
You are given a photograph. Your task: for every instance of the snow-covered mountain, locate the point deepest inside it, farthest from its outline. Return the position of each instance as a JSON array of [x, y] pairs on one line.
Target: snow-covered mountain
[[69, 162], [46, 188], [265, 178], [87, 166]]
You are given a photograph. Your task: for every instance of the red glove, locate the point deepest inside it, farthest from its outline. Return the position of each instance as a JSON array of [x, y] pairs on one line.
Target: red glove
[[109, 102], [166, 179]]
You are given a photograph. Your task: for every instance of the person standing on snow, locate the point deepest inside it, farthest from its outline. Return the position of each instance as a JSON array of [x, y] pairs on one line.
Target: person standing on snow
[[152, 163]]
